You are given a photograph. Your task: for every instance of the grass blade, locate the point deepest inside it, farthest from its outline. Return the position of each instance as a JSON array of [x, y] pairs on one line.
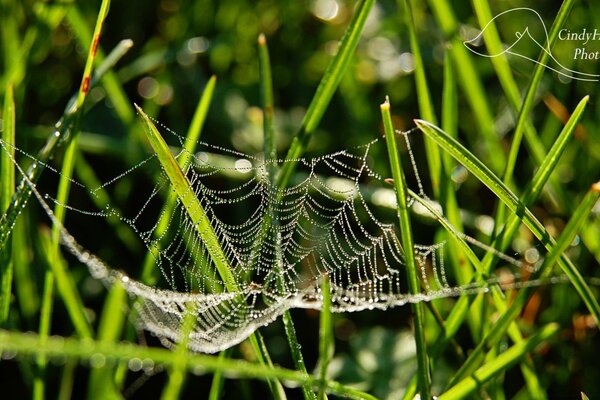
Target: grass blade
[[7, 188], [424, 377], [39, 382], [186, 195], [101, 383], [71, 348], [504, 361], [499, 328], [477, 168], [194, 209], [327, 87], [424, 99], [172, 390], [470, 83], [326, 343], [149, 273], [270, 149]]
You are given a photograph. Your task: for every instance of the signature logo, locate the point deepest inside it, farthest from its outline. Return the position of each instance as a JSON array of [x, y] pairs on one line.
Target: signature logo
[[520, 36]]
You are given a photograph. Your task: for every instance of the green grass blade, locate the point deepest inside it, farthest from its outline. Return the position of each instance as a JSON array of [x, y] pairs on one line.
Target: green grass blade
[[7, 188], [71, 348], [218, 381], [326, 342], [149, 273], [499, 328], [525, 109], [424, 99], [114, 88], [470, 82], [424, 376], [326, 89], [194, 209], [39, 382], [539, 180], [270, 149], [101, 383], [172, 390], [504, 361], [186, 195], [477, 168]]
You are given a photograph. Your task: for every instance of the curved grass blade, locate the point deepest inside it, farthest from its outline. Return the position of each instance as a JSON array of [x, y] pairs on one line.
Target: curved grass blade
[[557, 251], [270, 149], [502, 362], [424, 374], [424, 99], [327, 87], [325, 336], [195, 211], [149, 273], [177, 373], [25, 344], [7, 188], [490, 180]]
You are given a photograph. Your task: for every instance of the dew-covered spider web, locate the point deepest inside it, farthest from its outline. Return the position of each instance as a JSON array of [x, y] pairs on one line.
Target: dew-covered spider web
[[278, 244]]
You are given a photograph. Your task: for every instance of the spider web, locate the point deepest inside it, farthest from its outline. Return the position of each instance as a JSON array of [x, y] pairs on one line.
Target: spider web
[[279, 243]]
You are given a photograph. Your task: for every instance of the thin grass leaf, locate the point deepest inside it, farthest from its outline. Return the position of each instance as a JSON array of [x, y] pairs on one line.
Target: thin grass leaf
[[424, 99], [493, 183], [112, 85], [218, 381], [7, 188], [270, 150], [326, 342], [499, 328], [525, 109], [101, 383], [39, 382], [149, 273], [470, 82], [424, 374], [65, 129], [195, 211], [504, 361], [327, 87], [177, 373], [186, 195], [25, 344]]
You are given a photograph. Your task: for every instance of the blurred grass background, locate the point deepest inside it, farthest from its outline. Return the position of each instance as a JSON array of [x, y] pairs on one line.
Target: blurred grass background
[[178, 45]]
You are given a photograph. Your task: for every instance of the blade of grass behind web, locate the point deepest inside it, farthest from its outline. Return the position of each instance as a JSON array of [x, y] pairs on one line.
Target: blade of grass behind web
[[7, 188], [493, 183], [327, 87], [523, 127], [195, 211], [424, 99], [459, 311], [424, 373], [556, 253], [496, 366], [471, 83], [270, 150]]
